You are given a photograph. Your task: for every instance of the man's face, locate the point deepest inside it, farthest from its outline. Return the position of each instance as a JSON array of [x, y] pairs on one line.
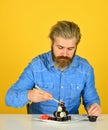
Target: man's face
[[63, 51]]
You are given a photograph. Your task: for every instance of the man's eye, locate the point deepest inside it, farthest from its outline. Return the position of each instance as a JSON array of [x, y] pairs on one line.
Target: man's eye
[[71, 48], [60, 47]]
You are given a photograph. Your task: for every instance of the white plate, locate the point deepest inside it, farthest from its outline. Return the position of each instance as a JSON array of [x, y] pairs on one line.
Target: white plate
[[73, 120]]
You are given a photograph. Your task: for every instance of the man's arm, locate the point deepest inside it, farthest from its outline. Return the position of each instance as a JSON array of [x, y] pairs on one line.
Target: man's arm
[[22, 91], [17, 95], [90, 96]]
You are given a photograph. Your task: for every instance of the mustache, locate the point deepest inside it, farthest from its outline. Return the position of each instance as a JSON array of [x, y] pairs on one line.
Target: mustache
[[63, 57]]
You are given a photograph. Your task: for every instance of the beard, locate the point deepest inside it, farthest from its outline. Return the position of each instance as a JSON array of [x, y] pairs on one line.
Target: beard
[[61, 62]]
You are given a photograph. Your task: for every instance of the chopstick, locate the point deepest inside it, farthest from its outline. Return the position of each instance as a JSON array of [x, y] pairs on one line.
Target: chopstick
[[52, 98]]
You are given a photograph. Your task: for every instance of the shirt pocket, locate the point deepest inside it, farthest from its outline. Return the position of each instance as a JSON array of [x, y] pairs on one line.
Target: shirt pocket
[[76, 90], [48, 87]]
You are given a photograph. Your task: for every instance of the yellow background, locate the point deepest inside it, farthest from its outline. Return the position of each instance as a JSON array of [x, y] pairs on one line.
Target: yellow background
[[24, 29]]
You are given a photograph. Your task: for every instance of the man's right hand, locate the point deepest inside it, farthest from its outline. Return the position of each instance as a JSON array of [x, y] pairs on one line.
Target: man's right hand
[[38, 95]]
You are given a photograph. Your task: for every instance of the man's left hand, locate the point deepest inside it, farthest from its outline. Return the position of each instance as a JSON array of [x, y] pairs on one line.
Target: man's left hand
[[94, 110]]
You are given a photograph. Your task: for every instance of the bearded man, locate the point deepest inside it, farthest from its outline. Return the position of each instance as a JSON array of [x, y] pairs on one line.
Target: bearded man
[[58, 74]]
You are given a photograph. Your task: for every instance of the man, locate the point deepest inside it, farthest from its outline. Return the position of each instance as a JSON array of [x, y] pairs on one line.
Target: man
[[59, 74]]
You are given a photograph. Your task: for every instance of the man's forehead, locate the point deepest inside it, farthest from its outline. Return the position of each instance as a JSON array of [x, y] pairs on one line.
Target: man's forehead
[[65, 42]]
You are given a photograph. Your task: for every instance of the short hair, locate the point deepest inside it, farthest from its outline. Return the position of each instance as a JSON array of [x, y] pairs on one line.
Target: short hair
[[65, 29]]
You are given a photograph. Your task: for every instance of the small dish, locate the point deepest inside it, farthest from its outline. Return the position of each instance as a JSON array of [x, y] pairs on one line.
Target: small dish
[[92, 118]]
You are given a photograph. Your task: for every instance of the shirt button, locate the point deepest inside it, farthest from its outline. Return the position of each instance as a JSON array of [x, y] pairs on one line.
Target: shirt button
[[62, 87], [77, 87]]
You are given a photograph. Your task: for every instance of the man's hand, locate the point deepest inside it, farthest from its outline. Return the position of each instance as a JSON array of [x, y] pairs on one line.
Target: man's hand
[[38, 95], [94, 110]]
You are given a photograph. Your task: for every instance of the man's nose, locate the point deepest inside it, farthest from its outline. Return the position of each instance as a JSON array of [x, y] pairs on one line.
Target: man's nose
[[65, 52]]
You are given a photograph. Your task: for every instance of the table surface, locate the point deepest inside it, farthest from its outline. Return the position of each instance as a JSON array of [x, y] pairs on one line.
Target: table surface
[[30, 122]]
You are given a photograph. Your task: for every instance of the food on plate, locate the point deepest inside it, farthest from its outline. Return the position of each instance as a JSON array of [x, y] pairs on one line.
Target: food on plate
[[60, 115], [45, 117]]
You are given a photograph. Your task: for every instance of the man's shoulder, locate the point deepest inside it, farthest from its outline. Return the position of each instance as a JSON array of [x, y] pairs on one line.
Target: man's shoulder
[[82, 65], [41, 57], [82, 61], [41, 60]]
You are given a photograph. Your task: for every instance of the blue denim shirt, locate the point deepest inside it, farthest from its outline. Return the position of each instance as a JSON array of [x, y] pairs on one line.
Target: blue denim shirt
[[68, 86]]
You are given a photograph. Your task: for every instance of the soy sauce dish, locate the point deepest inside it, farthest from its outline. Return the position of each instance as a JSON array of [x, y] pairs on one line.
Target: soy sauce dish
[[92, 118]]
